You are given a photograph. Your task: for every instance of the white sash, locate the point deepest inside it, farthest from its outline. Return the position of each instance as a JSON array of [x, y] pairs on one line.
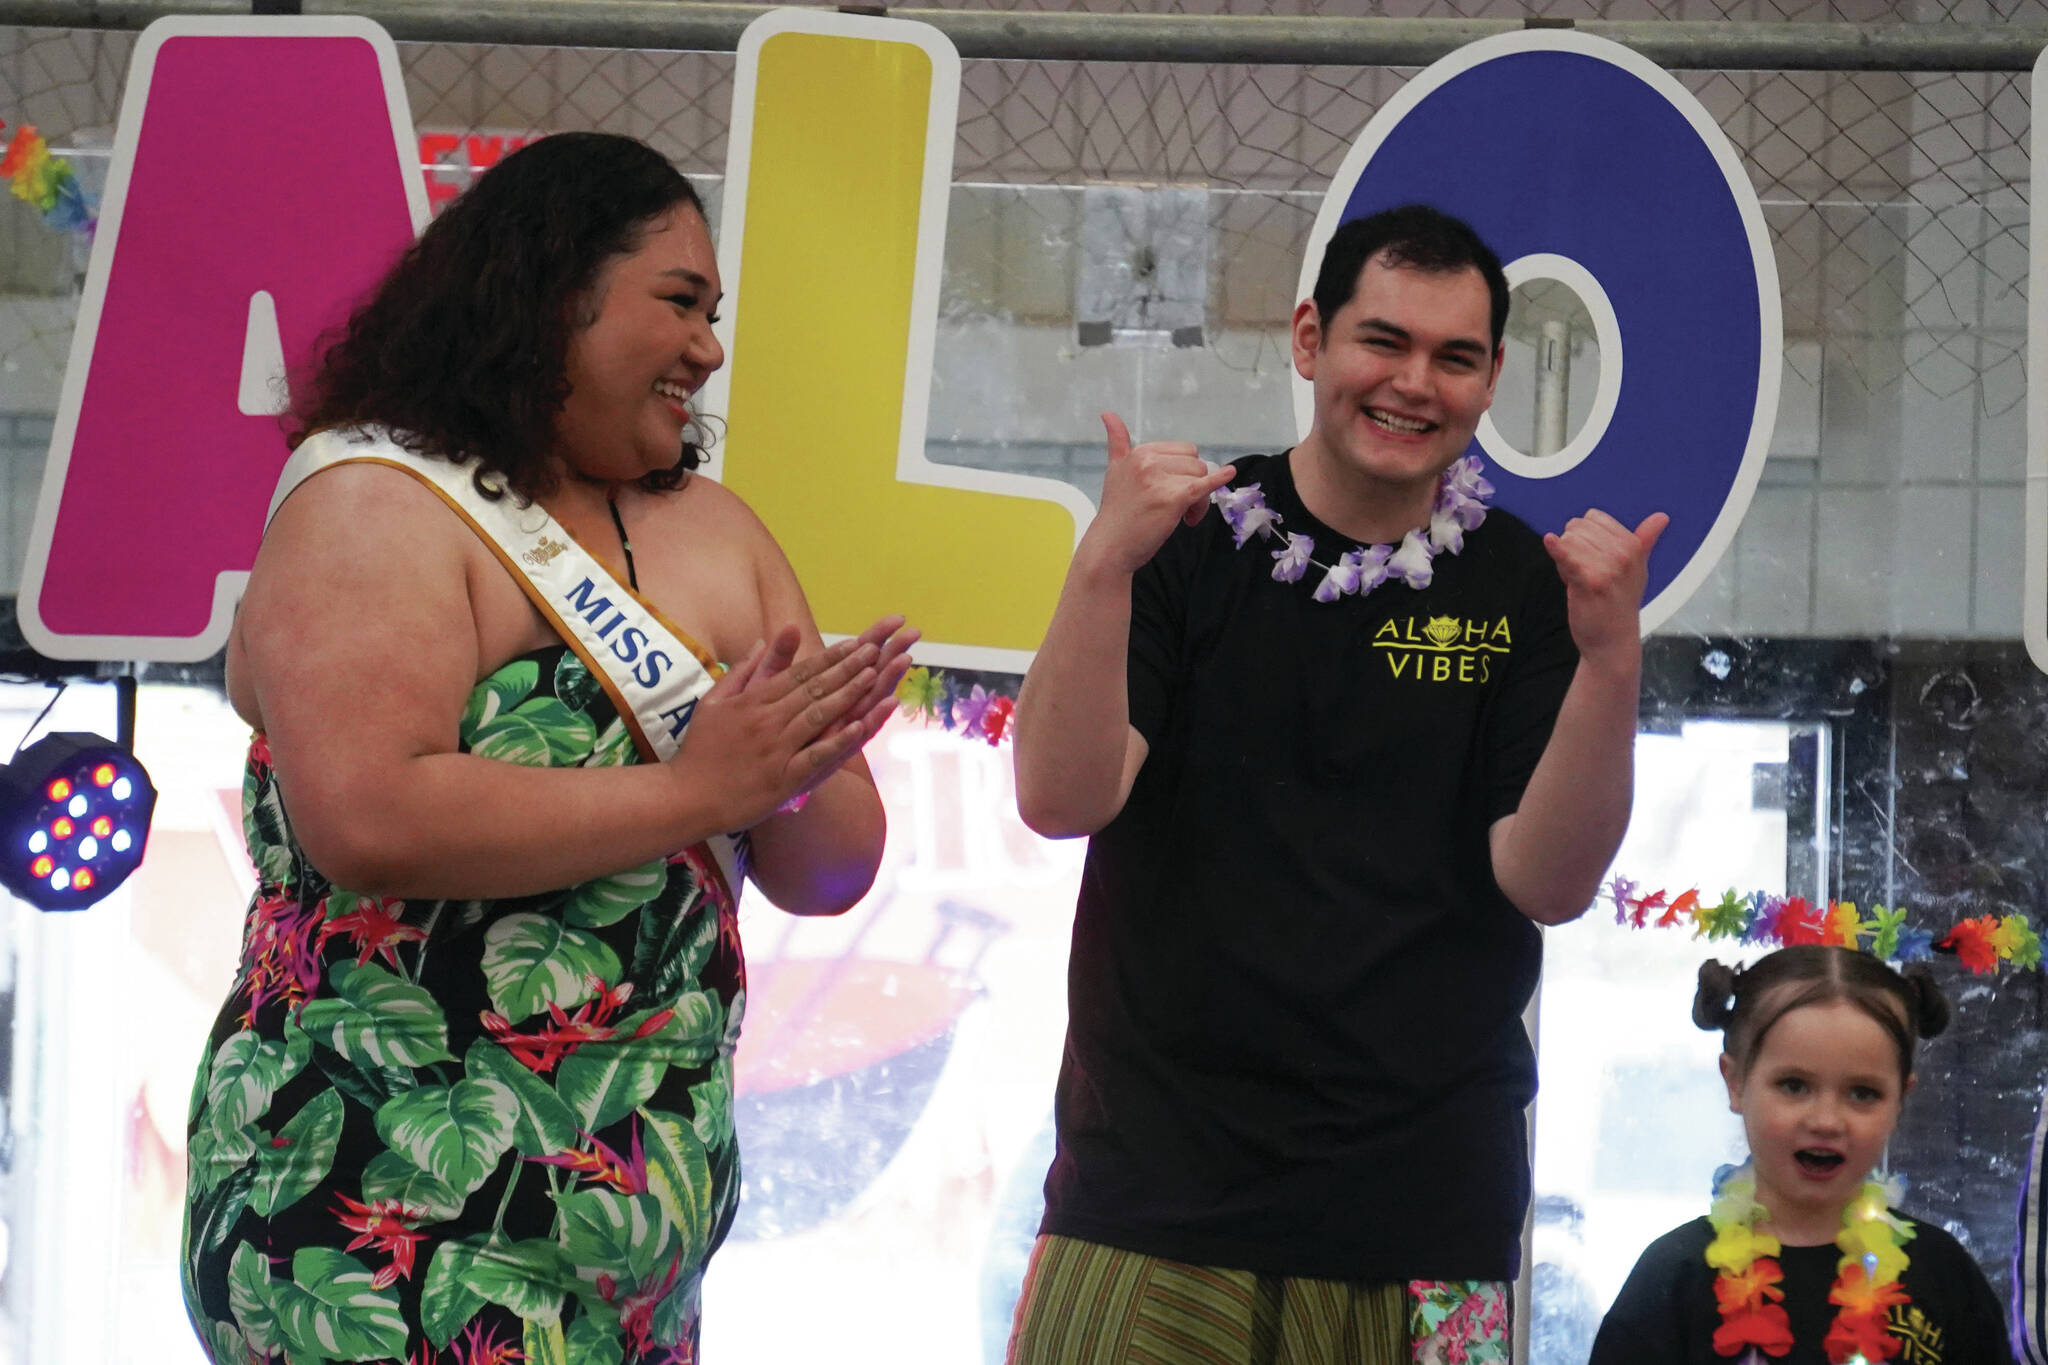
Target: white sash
[[654, 673]]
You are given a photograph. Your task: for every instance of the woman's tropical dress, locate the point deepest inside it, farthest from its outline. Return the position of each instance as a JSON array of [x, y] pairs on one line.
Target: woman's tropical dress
[[468, 1132]]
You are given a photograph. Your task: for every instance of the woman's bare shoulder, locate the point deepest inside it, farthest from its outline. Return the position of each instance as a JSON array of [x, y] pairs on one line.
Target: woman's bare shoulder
[[709, 513], [357, 491]]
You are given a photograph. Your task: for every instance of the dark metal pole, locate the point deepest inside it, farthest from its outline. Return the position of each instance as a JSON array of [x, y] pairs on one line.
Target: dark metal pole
[[124, 711]]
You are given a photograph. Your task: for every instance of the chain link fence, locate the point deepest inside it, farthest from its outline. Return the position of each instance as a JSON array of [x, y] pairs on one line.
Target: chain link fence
[[1896, 200]]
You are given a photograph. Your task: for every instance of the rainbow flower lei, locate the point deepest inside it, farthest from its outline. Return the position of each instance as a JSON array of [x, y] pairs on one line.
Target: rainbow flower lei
[[1866, 1288], [35, 177], [1982, 943], [1460, 506]]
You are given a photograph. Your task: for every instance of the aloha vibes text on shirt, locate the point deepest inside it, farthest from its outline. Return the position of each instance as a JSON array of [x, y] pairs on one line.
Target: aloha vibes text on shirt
[[1920, 1338], [1445, 650]]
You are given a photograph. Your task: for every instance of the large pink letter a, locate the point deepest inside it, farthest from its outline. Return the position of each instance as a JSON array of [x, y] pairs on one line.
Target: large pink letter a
[[264, 177]]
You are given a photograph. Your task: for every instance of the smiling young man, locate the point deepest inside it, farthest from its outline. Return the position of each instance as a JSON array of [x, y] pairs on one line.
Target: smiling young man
[[1335, 771]]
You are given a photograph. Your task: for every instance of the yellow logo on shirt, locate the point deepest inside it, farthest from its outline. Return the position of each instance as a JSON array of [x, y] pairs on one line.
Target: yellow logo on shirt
[[1921, 1338], [1443, 649]]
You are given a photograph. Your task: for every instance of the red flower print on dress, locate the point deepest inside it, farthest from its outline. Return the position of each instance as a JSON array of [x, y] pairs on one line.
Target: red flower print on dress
[[384, 1225], [603, 1166], [704, 872], [281, 960], [480, 1348], [540, 1050], [636, 1310], [374, 927]]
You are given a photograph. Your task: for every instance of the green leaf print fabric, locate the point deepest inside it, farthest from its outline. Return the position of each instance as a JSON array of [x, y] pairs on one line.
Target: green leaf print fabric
[[462, 1132]]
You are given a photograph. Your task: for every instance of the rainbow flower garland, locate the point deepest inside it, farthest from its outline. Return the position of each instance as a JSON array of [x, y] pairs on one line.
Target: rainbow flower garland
[[1982, 942], [1866, 1288], [47, 182], [942, 698]]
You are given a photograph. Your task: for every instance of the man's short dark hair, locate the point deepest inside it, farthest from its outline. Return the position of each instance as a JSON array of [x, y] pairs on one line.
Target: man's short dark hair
[[1417, 237]]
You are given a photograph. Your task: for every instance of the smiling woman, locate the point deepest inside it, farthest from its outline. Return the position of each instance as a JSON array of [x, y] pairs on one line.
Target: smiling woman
[[472, 1085]]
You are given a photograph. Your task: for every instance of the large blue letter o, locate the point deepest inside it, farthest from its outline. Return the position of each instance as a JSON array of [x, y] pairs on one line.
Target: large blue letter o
[[1556, 145]]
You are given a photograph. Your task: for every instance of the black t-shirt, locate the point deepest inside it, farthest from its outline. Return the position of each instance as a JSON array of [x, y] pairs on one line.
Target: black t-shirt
[[1295, 992], [1666, 1314]]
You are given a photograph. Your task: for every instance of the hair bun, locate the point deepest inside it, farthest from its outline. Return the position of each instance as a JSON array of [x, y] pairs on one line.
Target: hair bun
[[1714, 1005], [1930, 1006]]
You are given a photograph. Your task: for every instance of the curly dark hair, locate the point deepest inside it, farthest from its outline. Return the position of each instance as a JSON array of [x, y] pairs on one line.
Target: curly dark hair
[[462, 349]]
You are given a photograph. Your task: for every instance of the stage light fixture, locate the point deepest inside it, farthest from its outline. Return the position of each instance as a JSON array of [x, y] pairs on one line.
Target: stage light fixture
[[74, 820]]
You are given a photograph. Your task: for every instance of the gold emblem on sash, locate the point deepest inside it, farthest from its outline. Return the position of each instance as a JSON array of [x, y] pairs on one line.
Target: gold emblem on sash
[[543, 551]]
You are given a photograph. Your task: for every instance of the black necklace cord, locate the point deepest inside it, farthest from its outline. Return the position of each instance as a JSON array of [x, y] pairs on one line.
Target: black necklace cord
[[632, 575]]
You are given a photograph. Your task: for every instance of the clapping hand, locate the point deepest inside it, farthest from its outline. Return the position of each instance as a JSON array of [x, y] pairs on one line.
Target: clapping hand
[[776, 726]]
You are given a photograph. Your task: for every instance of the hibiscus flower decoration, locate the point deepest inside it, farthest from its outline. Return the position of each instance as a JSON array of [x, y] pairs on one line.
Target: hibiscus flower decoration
[[1802, 922], [1751, 1289], [995, 722], [1724, 918], [1885, 927], [1739, 1248], [919, 692], [1621, 891], [1916, 944], [1860, 1328], [1341, 578], [1290, 563], [1465, 487], [969, 709], [1687, 906], [2016, 941], [1845, 925], [1972, 941], [1750, 1311], [1255, 521], [1444, 531], [1412, 563]]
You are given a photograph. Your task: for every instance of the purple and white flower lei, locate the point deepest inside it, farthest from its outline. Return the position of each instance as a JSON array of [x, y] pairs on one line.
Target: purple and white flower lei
[[1460, 506]]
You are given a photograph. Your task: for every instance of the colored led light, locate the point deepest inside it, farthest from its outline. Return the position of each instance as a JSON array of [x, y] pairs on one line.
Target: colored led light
[[88, 848], [103, 826], [83, 880], [59, 789], [38, 841], [42, 867], [61, 827], [123, 841], [122, 789], [104, 775]]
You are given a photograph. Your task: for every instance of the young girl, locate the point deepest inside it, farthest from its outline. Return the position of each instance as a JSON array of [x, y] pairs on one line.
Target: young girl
[[1801, 1258]]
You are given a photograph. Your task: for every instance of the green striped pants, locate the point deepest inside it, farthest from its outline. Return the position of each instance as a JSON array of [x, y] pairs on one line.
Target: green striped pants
[[1085, 1304]]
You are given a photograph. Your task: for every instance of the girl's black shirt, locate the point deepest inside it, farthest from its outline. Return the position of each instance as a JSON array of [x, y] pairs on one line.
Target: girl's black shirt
[[1666, 1313]]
